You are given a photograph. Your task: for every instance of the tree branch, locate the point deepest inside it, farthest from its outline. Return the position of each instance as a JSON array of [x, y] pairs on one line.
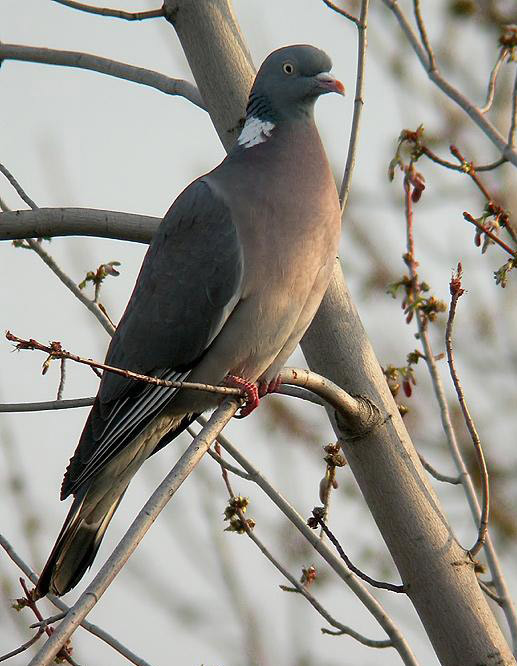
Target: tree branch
[[49, 261], [55, 351], [456, 293], [115, 13], [296, 585], [362, 43], [136, 532], [45, 406], [92, 628], [450, 91], [54, 222], [370, 602], [95, 63]]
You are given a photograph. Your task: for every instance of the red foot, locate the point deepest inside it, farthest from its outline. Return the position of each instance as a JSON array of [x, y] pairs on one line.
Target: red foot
[[250, 391], [264, 388]]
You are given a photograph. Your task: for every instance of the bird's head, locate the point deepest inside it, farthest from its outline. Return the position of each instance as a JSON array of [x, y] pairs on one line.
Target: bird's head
[[289, 82]]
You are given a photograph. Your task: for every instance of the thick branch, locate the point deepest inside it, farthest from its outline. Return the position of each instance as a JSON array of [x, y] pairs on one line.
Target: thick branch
[[95, 63], [54, 222], [136, 532]]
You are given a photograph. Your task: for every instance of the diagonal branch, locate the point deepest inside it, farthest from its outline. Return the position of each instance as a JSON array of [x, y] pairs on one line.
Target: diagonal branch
[[49, 261], [296, 585], [95, 63], [505, 147], [92, 628], [356, 586], [136, 532]]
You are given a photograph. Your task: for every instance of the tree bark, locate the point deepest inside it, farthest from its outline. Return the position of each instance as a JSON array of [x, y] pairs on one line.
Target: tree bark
[[439, 577]]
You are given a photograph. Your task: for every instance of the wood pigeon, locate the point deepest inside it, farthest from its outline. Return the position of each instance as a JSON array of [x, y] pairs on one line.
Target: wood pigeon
[[229, 285]]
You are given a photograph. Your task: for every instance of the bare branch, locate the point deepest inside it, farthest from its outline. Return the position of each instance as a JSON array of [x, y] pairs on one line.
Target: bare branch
[[456, 293], [506, 149], [359, 415], [55, 222], [343, 12], [55, 351], [357, 587], [513, 121], [492, 82], [466, 480], [455, 480], [489, 233], [115, 13], [490, 593], [95, 63], [45, 406], [423, 36], [136, 532], [49, 261], [62, 379], [317, 514], [23, 647], [297, 586], [92, 628], [362, 43]]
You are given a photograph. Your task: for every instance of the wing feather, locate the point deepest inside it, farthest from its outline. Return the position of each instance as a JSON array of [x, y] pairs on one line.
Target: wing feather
[[189, 283]]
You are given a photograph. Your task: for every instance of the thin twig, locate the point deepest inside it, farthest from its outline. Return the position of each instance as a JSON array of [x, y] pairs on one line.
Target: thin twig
[[297, 586], [371, 581], [492, 165], [95, 63], [49, 261], [513, 121], [463, 473], [490, 234], [490, 593], [455, 480], [343, 12], [492, 82], [456, 293], [47, 621], [65, 651], [62, 379], [362, 44], [91, 628], [136, 532], [358, 588], [449, 90], [55, 351], [423, 36], [115, 13], [222, 462], [25, 646]]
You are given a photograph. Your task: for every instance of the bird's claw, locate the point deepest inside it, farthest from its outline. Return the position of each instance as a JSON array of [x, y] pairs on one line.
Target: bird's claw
[[269, 387], [250, 392]]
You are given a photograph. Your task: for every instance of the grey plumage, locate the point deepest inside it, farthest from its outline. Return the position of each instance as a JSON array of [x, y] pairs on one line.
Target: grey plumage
[[231, 281]]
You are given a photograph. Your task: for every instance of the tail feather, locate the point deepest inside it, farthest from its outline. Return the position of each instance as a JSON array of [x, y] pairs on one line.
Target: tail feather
[[74, 550]]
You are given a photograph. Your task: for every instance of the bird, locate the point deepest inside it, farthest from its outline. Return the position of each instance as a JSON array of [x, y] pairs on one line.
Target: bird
[[230, 283]]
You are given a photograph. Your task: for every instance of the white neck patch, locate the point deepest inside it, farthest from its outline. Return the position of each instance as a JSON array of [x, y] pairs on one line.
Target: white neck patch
[[255, 131]]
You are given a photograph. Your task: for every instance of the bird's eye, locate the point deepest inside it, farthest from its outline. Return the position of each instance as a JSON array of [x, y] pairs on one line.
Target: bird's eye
[[288, 68]]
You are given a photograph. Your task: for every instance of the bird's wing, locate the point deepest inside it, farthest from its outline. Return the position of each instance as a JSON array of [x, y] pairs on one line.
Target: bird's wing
[[189, 283]]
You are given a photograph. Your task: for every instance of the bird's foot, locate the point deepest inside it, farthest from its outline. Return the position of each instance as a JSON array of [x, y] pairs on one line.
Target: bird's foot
[[249, 390], [269, 387]]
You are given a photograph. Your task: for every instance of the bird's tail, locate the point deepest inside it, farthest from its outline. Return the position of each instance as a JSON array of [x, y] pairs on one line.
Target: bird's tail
[[75, 548]]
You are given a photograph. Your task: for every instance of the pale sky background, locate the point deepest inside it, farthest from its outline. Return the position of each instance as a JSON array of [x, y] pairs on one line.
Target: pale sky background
[[76, 138]]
